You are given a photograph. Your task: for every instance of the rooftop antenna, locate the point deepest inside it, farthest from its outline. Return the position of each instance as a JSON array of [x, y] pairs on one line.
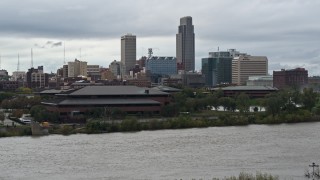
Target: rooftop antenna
[[218, 48], [18, 65], [0, 61], [80, 53], [150, 53], [31, 58], [64, 53]]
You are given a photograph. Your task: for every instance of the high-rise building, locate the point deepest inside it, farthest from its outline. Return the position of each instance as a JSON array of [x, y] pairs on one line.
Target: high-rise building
[[185, 48], [77, 68], [295, 78], [244, 66], [217, 67], [128, 53]]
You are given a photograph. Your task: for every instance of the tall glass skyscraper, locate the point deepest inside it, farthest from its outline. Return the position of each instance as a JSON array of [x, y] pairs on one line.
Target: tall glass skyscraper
[[185, 45]]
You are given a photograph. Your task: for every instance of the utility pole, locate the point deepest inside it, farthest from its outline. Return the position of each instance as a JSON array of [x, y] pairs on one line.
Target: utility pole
[[313, 165]]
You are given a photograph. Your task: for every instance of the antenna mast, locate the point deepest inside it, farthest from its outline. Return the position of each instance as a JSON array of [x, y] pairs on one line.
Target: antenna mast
[[64, 53], [0, 61], [18, 65], [31, 58]]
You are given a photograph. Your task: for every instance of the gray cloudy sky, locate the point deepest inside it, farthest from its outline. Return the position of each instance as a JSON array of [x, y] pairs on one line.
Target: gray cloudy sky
[[286, 31]]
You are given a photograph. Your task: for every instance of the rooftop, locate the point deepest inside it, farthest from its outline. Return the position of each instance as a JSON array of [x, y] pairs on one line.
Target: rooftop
[[248, 88], [115, 90], [166, 89], [100, 101]]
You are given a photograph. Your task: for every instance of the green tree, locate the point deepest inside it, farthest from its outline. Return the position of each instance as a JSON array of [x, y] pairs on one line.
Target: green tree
[[96, 112], [309, 98], [2, 116], [170, 110], [24, 90], [243, 102], [6, 95], [227, 103], [274, 103], [40, 114], [213, 101]]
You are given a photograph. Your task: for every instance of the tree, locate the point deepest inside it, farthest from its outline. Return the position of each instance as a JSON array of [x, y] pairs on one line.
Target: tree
[[170, 110], [274, 103], [40, 114], [213, 101], [24, 90], [309, 98], [227, 103], [96, 112], [2, 116], [243, 102]]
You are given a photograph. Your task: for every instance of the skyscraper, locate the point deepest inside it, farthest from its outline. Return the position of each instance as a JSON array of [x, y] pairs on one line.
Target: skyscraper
[[185, 45], [128, 53]]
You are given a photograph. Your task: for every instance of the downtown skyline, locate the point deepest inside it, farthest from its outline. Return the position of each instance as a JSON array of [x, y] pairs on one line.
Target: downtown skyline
[[286, 32]]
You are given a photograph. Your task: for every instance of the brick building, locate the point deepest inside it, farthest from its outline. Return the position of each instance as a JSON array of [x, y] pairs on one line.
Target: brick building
[[294, 78]]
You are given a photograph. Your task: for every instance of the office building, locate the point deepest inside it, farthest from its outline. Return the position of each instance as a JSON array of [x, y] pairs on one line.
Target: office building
[[77, 68], [93, 71], [36, 78], [18, 76], [115, 68], [217, 67], [244, 66], [128, 53], [185, 46], [293, 78], [162, 65], [260, 81]]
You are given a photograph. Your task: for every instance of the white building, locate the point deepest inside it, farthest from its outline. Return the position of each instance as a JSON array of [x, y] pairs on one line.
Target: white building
[[246, 65]]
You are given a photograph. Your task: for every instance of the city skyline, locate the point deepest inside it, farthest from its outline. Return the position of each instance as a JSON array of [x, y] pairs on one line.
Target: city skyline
[[284, 31]]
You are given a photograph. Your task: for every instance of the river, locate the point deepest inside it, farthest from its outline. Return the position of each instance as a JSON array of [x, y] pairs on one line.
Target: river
[[284, 150]]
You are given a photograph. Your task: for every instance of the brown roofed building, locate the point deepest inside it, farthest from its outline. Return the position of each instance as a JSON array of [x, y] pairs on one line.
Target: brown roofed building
[[129, 99]]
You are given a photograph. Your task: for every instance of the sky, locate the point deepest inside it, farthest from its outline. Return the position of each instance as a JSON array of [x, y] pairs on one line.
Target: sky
[[286, 31]]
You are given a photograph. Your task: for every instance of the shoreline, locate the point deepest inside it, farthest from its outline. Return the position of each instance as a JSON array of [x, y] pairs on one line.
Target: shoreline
[[136, 125]]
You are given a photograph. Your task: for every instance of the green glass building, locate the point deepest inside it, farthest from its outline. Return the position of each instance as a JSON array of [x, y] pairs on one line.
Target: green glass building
[[217, 67]]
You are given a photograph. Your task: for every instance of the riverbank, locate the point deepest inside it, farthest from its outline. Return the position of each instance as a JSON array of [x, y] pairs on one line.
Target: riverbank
[[131, 124]]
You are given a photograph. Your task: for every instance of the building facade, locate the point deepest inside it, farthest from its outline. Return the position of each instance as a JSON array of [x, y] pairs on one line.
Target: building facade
[[244, 66], [115, 68], [185, 45], [36, 78], [77, 68], [260, 81], [162, 65], [128, 53], [294, 78], [217, 68], [93, 71], [129, 99]]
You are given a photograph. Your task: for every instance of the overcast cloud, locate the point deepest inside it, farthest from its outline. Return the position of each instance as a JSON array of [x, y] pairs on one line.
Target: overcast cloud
[[286, 31]]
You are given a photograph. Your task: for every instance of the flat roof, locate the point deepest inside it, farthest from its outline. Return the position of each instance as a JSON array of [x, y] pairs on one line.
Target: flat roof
[[52, 91], [166, 89], [100, 101], [115, 90], [248, 88]]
